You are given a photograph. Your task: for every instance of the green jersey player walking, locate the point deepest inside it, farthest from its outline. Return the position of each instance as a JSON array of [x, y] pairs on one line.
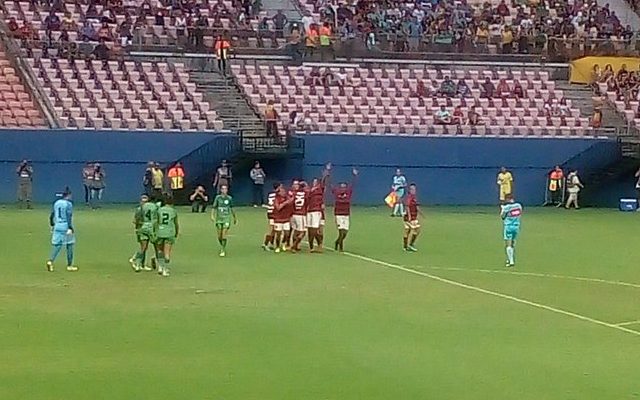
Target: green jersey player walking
[[221, 215], [145, 221], [167, 233], [510, 214]]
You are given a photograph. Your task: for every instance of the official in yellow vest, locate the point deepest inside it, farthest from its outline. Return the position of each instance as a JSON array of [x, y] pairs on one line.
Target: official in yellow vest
[[176, 177]]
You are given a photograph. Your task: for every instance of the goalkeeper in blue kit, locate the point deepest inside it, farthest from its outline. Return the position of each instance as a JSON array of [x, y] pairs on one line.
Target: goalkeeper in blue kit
[[62, 231], [510, 214]]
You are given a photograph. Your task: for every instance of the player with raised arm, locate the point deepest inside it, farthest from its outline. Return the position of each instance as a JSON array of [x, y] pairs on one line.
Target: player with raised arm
[[298, 220], [145, 221], [510, 213], [411, 222], [315, 210], [271, 201], [221, 214], [168, 230], [281, 216], [62, 231], [342, 209]]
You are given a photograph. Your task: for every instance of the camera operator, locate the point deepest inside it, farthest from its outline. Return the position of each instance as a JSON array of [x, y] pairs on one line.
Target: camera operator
[[199, 200]]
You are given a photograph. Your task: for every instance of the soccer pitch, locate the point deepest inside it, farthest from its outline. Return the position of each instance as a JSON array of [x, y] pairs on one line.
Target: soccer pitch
[[448, 322]]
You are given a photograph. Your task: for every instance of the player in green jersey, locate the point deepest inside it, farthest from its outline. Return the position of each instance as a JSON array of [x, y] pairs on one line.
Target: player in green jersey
[[145, 221], [167, 234], [221, 214]]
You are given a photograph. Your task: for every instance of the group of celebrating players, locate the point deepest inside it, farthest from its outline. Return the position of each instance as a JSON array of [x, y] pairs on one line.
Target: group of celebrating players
[[292, 213]]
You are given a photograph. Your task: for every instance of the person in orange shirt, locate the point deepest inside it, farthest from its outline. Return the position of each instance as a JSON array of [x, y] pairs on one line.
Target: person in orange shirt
[[312, 39], [176, 177], [222, 47], [556, 186]]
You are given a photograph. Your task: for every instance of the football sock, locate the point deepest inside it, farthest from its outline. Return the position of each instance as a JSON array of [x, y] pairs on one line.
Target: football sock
[[70, 255], [224, 244], [160, 258], [510, 252], [55, 250], [405, 239], [319, 238], [413, 238], [268, 239], [396, 209], [143, 257], [312, 236]]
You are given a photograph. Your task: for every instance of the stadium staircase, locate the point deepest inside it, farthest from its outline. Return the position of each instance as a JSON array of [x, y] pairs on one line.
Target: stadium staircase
[[227, 100]]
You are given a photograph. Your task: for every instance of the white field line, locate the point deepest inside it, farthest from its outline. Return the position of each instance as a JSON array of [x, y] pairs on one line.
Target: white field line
[[629, 323], [536, 274], [494, 294]]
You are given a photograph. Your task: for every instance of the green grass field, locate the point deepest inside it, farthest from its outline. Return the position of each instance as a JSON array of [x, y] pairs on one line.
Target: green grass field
[[453, 324]]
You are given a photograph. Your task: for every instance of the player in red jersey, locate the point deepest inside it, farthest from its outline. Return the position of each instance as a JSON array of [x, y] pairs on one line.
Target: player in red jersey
[[271, 201], [286, 238], [315, 209], [342, 209], [411, 222], [281, 216], [298, 220]]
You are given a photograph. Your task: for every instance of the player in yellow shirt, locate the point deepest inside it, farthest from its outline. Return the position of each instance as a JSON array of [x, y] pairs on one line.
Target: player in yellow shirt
[[505, 183]]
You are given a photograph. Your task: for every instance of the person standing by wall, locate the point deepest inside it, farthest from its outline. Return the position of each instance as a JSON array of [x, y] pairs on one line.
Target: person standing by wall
[[223, 177], [87, 181], [25, 184], [176, 177], [573, 188], [556, 185], [258, 176], [399, 185], [505, 183], [147, 180], [157, 182], [97, 186]]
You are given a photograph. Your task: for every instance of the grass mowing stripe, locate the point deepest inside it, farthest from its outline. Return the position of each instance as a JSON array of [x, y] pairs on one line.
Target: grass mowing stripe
[[495, 294], [535, 274]]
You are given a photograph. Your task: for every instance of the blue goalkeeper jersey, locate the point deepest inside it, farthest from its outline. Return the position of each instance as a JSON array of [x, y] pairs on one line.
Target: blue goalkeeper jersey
[[62, 215], [511, 214]]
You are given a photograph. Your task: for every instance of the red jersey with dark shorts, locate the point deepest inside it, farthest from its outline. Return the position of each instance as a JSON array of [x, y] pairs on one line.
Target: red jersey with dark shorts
[[280, 216], [271, 202], [411, 203], [316, 199], [300, 202], [342, 204]]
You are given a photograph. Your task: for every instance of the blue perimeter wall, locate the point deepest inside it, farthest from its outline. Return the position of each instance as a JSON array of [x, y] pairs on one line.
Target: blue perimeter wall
[[58, 158], [448, 170], [454, 170]]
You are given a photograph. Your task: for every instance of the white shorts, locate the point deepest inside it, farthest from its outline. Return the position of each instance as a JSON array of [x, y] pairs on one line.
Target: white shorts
[[414, 224], [343, 222], [279, 227], [298, 223], [314, 219]]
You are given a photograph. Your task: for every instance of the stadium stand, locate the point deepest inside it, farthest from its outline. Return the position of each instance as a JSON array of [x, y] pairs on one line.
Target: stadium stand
[[472, 26], [17, 109], [392, 100], [124, 94], [134, 22]]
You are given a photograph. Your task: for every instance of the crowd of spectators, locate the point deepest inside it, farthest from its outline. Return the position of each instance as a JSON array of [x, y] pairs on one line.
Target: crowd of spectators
[[126, 22], [517, 26]]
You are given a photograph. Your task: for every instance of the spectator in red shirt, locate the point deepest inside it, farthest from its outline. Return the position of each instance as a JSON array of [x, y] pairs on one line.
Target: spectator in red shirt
[[342, 209]]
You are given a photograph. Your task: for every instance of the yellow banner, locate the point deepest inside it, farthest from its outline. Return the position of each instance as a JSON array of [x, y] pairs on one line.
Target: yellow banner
[[582, 68]]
